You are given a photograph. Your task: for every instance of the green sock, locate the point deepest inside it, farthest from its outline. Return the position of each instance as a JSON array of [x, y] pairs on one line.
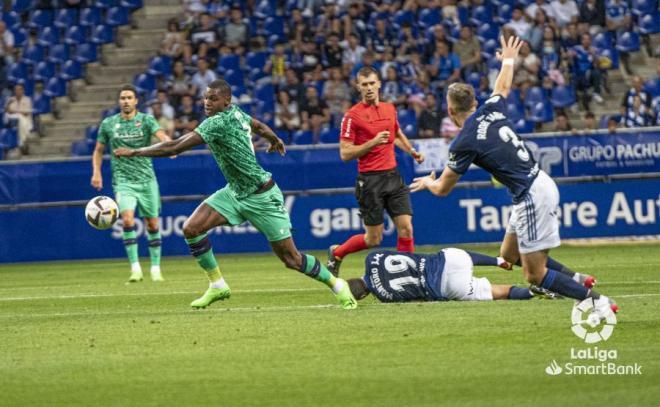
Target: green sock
[[200, 247], [315, 269], [154, 247], [130, 244]]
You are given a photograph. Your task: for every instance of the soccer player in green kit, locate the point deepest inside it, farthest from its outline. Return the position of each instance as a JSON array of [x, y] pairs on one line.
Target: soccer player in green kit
[[133, 180], [250, 194]]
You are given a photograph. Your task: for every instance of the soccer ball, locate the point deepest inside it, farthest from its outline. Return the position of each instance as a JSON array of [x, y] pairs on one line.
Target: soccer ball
[[101, 212]]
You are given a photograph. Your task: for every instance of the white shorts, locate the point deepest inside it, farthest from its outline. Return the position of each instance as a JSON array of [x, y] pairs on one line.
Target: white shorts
[[535, 220], [458, 283]]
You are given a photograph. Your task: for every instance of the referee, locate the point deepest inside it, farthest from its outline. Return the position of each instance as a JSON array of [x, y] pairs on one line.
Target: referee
[[369, 131]]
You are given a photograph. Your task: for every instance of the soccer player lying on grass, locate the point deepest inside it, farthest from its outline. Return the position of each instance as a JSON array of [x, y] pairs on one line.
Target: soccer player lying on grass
[[250, 194], [446, 275]]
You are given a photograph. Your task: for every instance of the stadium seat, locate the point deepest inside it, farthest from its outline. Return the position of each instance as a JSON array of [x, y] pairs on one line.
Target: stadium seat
[[229, 62], [255, 60], [109, 112], [274, 25], [429, 17], [238, 90], [66, 17], [264, 9], [405, 116], [534, 96], [255, 75], [489, 48], [34, 54], [652, 86], [265, 92], [86, 53], [642, 7], [514, 112], [56, 87], [82, 147], [481, 14], [541, 113], [612, 54], [116, 16], [403, 16], [650, 24], [91, 132], [48, 36], [234, 77], [303, 137], [144, 83], [40, 18], [12, 19], [487, 31], [41, 104], [75, 35], [21, 6], [9, 138], [562, 96], [160, 66], [628, 42], [43, 71], [17, 71], [20, 37], [90, 17], [132, 4], [504, 13], [523, 126], [602, 40], [103, 34], [106, 3], [58, 53], [329, 135], [71, 70]]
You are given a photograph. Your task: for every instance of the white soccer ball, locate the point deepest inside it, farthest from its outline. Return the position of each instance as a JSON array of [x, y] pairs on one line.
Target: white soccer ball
[[101, 212]]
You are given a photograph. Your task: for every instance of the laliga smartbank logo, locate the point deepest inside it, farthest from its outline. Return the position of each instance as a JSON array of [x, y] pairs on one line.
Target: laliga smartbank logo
[[592, 327]]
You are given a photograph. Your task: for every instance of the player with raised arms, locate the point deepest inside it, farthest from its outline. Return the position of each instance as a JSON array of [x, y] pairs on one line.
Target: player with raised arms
[[488, 140], [133, 180], [250, 194], [447, 275]]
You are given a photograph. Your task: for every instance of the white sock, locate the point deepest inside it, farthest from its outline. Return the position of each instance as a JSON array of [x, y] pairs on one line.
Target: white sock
[[577, 278], [219, 284], [155, 269], [135, 268], [339, 284]]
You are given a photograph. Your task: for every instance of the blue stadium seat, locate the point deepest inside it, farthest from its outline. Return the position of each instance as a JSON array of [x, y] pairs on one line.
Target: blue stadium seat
[[48, 36], [514, 112], [40, 18], [404, 16], [17, 71], [534, 96], [303, 137], [66, 17], [541, 113], [429, 17], [132, 4], [11, 18], [234, 77], [109, 112], [145, 83], [41, 104], [487, 31], [58, 53], [43, 71], [641, 7], [504, 13], [482, 14], [56, 87], [106, 3], [160, 66], [90, 17], [82, 147], [255, 60], [255, 75], [9, 138], [71, 70], [265, 92], [238, 90], [20, 37], [274, 25], [229, 62], [563, 96], [602, 40], [649, 24], [612, 54], [116, 16], [103, 34], [652, 86], [628, 42], [329, 135], [34, 54], [21, 6], [75, 35], [264, 9], [91, 132], [405, 115], [522, 126], [489, 48], [86, 53]]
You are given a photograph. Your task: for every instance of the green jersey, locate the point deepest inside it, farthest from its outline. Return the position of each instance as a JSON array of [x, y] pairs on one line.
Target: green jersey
[[228, 135], [117, 132]]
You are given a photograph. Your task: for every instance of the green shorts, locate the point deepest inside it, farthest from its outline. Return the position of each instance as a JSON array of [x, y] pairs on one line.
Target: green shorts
[[265, 211], [145, 196]]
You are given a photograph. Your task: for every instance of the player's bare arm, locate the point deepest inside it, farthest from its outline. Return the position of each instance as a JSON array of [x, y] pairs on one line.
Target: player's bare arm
[[349, 151], [263, 130], [97, 159], [510, 49], [403, 143], [162, 136], [440, 187], [163, 149]]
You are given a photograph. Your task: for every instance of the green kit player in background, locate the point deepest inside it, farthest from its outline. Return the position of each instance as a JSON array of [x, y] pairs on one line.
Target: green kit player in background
[[133, 180], [250, 194]]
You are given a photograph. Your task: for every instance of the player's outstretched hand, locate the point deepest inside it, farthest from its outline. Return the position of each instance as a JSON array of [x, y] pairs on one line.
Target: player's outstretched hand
[[124, 152], [417, 156], [277, 145], [421, 183], [510, 47]]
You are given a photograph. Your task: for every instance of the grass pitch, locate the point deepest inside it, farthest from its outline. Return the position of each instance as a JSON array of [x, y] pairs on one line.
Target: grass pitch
[[74, 334]]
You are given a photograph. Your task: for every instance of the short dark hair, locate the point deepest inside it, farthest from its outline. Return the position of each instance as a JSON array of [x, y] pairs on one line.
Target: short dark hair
[[461, 96], [589, 115], [129, 88], [366, 71], [358, 288], [222, 86]]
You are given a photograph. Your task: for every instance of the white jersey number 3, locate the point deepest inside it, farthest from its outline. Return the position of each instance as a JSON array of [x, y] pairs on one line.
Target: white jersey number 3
[[506, 134]]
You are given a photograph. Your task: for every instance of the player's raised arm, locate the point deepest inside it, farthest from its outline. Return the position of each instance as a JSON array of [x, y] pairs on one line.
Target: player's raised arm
[[439, 187], [263, 130], [165, 148], [507, 56]]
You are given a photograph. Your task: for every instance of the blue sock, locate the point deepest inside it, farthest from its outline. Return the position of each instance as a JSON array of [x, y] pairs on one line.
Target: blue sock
[[564, 285], [479, 259], [519, 293], [555, 265]]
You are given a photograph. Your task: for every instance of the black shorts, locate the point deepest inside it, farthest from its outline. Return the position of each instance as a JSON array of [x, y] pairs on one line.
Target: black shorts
[[380, 190]]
